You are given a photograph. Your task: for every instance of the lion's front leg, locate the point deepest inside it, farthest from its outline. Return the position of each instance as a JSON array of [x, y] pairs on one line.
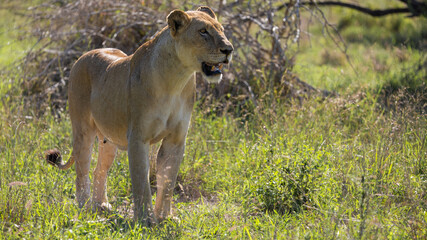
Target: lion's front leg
[[169, 158], [139, 169]]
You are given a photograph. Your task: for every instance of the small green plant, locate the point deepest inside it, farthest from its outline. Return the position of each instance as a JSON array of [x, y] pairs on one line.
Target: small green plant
[[286, 185]]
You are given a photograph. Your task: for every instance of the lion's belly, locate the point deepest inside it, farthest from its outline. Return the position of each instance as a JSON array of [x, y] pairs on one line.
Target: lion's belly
[[113, 131], [109, 112], [112, 124]]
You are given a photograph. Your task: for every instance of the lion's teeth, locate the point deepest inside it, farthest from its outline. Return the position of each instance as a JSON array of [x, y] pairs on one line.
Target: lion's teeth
[[213, 68], [220, 67]]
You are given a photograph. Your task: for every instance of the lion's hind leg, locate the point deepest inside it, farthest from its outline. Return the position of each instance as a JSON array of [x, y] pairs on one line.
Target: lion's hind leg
[[83, 138], [107, 153]]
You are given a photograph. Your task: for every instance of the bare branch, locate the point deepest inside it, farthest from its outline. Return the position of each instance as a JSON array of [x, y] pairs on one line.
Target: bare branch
[[374, 13], [413, 7]]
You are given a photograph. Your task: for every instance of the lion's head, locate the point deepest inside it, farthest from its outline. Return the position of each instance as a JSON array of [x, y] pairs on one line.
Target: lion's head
[[200, 41]]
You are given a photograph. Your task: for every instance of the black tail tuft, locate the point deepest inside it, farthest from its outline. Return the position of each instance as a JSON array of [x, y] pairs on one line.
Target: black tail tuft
[[53, 156]]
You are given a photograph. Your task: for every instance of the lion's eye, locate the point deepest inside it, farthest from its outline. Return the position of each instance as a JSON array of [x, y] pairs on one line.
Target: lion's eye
[[203, 31]]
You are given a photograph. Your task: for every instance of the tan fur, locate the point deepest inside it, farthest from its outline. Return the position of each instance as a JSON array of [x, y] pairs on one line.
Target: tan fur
[[133, 101]]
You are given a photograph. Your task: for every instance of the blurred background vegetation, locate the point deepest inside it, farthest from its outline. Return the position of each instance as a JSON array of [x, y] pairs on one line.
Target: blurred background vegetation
[[273, 43]]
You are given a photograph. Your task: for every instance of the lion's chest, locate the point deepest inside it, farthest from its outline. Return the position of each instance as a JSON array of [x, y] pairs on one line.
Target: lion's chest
[[171, 120]]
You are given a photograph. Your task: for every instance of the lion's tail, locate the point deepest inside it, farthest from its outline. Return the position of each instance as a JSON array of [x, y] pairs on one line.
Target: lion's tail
[[54, 158]]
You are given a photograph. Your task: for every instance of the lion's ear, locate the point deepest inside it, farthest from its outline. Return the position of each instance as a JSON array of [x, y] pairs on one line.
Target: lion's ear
[[207, 10], [177, 20]]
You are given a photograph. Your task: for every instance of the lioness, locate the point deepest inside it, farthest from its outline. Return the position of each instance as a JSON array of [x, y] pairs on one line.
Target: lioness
[[133, 101]]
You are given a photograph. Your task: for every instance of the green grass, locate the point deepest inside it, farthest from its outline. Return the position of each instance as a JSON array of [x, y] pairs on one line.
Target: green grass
[[365, 175], [346, 167]]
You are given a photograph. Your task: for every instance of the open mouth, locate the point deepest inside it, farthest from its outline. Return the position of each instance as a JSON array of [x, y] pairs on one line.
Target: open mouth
[[210, 69]]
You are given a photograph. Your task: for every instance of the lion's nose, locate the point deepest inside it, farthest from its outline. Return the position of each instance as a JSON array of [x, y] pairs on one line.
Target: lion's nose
[[227, 50]]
